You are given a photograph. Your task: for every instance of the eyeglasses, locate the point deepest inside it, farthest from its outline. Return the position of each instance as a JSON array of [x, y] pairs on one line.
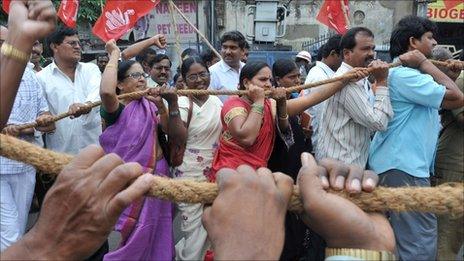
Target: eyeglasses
[[194, 77], [137, 75], [73, 43]]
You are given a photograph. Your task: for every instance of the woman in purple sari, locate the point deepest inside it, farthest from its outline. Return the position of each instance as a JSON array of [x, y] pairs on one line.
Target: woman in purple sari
[[130, 130]]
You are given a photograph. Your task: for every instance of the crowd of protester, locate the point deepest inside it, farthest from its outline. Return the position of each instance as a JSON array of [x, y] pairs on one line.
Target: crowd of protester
[[392, 127]]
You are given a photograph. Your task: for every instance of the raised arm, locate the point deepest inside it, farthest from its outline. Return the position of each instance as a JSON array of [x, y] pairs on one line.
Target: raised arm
[[27, 23], [133, 50], [453, 98], [109, 80], [300, 104], [245, 127]]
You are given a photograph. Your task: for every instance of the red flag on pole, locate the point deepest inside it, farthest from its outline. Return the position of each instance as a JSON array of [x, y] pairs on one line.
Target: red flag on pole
[[334, 14], [68, 12], [6, 6], [118, 17]]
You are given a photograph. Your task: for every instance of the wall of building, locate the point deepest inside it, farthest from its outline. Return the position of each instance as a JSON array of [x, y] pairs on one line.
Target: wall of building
[[302, 26]]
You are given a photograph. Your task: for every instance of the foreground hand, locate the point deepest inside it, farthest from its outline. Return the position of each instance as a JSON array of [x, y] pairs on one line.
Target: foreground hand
[[82, 207], [279, 94], [339, 221], [77, 109], [379, 71], [413, 59], [246, 220], [111, 47], [159, 40], [11, 130], [31, 20], [360, 73], [255, 93]]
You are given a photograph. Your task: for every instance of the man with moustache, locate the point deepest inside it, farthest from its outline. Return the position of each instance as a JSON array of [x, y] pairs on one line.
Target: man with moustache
[[225, 73], [68, 85], [160, 72], [36, 56], [352, 114]]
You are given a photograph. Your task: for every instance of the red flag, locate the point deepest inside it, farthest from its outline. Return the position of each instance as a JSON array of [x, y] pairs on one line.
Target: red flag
[[6, 6], [118, 17], [334, 14], [68, 12]]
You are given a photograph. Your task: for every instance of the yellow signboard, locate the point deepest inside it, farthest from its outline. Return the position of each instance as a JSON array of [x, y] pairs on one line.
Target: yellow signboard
[[450, 11]]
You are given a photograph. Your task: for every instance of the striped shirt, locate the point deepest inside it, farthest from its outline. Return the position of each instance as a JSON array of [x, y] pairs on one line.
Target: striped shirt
[[28, 105], [350, 119]]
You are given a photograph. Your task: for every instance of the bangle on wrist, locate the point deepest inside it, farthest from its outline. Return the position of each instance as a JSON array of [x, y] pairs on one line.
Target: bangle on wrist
[[13, 53], [284, 117], [258, 108], [110, 65], [174, 113]]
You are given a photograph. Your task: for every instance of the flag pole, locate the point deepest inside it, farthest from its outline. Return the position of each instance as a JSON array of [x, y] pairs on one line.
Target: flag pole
[[196, 30], [345, 13]]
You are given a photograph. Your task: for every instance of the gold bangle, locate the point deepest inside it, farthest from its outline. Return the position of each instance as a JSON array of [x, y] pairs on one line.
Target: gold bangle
[[11, 52], [283, 118], [360, 253], [111, 66]]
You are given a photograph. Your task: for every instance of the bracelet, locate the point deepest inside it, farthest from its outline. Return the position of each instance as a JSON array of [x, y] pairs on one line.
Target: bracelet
[[258, 108], [110, 65], [175, 113], [11, 52], [283, 118], [363, 254]]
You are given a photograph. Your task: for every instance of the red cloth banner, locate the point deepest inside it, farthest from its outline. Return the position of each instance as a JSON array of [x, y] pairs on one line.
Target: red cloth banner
[[68, 12], [334, 14], [6, 6], [118, 17]]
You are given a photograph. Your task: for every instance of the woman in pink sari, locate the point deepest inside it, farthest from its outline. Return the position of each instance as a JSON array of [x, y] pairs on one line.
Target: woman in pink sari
[[249, 122], [131, 132]]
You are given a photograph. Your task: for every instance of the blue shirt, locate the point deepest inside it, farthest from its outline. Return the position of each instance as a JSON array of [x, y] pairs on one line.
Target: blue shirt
[[410, 141]]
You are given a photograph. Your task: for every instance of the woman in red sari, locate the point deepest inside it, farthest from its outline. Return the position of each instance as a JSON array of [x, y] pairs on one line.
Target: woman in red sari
[[249, 122]]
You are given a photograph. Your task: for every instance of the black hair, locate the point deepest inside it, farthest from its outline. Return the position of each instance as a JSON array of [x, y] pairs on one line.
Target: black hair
[[101, 55], [234, 36], [333, 44], [123, 67], [461, 57], [158, 58], [188, 52], [174, 79], [58, 36], [319, 53], [247, 45], [250, 70], [283, 67], [142, 56], [348, 40], [407, 27], [207, 55], [189, 62]]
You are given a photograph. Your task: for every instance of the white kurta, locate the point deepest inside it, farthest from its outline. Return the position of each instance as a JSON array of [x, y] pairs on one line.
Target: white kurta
[[203, 136], [71, 135]]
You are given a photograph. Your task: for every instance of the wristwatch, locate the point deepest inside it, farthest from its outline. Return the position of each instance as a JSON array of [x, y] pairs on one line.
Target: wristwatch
[[175, 113]]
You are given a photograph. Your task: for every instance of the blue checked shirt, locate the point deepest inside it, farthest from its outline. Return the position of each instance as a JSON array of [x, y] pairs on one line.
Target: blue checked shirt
[[28, 105]]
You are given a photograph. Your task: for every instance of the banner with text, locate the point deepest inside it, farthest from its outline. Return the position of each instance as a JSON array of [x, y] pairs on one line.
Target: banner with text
[[449, 11], [159, 21]]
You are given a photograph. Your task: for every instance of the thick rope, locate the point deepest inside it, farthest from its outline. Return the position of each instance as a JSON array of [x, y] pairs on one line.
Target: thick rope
[[445, 199], [192, 92]]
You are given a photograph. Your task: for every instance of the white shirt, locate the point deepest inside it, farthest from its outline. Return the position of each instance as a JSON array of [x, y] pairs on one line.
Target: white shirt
[[71, 135], [349, 119], [224, 77], [318, 73]]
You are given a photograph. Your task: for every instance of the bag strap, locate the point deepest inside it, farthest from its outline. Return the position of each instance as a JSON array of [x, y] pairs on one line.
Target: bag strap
[[190, 112]]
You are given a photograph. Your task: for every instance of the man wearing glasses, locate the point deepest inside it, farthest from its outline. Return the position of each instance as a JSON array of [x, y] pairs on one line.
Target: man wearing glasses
[[68, 85]]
